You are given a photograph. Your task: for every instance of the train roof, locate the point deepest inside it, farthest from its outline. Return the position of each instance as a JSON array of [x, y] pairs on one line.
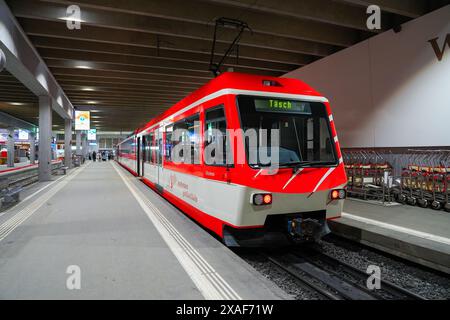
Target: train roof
[[240, 81]]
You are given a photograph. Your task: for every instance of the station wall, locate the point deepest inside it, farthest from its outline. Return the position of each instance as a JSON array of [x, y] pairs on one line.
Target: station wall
[[390, 90]]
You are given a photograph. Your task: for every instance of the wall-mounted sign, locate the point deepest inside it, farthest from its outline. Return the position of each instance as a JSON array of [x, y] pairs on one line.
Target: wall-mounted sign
[[23, 135], [82, 120], [92, 134], [437, 50]]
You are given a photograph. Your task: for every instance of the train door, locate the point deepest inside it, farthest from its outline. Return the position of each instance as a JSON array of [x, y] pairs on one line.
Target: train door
[[150, 158], [156, 160], [143, 154], [160, 156], [138, 155]]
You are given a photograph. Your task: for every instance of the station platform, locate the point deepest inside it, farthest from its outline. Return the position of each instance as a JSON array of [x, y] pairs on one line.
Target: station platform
[[99, 233], [412, 233], [17, 166], [23, 167]]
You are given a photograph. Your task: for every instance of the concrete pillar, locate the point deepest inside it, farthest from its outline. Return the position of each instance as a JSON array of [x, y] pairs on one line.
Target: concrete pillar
[[78, 142], [45, 138], [32, 139], [10, 148], [84, 145], [68, 143]]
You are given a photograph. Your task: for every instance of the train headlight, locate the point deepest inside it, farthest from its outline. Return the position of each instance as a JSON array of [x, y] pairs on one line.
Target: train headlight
[[262, 199], [338, 194]]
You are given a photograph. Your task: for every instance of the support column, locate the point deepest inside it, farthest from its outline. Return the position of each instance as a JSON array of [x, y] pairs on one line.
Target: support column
[[10, 148], [32, 139], [84, 144], [45, 138], [68, 143], [78, 142]]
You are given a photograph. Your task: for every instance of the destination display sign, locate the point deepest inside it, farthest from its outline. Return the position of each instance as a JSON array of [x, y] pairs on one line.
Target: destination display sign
[[278, 105]]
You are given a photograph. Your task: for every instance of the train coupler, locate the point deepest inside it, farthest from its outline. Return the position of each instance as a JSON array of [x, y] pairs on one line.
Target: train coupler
[[306, 230]]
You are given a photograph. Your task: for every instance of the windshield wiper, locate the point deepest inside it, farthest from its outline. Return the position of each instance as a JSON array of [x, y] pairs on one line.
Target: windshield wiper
[[297, 165], [310, 164]]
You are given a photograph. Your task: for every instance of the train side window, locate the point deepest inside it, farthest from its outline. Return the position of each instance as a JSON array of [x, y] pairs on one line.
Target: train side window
[[180, 125], [216, 133], [159, 151], [189, 137], [169, 143], [148, 147], [193, 138]]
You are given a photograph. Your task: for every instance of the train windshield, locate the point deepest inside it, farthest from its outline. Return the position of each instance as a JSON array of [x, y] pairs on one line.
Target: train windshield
[[303, 129]]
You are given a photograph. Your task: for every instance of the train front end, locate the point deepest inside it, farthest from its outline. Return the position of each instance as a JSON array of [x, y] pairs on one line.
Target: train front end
[[293, 187]]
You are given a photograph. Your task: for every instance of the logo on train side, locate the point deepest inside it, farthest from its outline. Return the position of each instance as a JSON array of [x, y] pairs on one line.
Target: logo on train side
[[437, 50], [172, 181]]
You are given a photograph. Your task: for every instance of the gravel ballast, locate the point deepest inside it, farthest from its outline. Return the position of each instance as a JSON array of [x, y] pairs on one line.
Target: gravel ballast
[[425, 282]]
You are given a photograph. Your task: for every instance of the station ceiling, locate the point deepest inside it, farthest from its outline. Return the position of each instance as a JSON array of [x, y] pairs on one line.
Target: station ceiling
[[132, 59], [18, 101]]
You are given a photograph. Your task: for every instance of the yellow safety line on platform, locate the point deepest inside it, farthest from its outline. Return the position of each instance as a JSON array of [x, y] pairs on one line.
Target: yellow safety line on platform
[[208, 281]]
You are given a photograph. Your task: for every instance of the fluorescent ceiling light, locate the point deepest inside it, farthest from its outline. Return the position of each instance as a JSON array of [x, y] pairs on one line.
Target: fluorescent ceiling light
[[71, 19], [17, 103], [82, 66]]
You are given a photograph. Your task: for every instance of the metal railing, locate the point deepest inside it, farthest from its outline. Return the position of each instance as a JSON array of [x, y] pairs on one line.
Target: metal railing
[[12, 182]]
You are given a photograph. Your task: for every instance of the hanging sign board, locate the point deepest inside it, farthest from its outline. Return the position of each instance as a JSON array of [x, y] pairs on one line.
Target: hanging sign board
[[82, 120], [92, 134]]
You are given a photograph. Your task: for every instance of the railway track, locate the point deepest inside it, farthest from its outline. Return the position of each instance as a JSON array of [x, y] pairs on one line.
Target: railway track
[[333, 279]]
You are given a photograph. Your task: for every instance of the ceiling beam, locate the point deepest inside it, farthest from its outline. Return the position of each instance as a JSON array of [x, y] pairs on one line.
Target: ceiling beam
[[124, 99], [143, 77], [147, 103], [134, 71], [407, 8], [263, 49], [171, 55], [125, 94], [123, 90], [25, 64], [108, 61], [265, 27], [324, 11], [91, 80]]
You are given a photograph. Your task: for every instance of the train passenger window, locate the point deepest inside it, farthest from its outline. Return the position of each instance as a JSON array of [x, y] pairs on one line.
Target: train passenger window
[[186, 136], [148, 147], [193, 138], [168, 143], [216, 142], [159, 151]]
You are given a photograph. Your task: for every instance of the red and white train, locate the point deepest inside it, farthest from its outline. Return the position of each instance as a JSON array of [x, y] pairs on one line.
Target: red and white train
[[245, 203]]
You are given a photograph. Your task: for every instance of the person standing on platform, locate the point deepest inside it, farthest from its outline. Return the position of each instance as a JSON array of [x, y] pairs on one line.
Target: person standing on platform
[[94, 155]]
